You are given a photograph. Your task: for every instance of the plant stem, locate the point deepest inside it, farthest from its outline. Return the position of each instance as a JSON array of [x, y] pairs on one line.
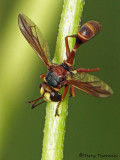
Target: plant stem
[[54, 130]]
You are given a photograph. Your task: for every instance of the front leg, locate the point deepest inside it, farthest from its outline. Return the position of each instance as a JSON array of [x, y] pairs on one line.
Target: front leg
[[63, 97]]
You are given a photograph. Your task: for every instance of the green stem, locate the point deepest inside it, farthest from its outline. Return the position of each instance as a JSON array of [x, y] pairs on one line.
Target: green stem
[[54, 130]]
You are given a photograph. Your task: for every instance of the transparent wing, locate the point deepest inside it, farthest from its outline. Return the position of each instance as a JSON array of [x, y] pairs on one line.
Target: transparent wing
[[34, 38], [89, 84]]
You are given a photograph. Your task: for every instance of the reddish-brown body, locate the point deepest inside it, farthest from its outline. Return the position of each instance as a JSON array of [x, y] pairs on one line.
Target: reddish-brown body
[[64, 74]]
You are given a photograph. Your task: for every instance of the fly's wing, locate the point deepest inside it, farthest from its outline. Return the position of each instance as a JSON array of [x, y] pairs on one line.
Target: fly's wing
[[89, 84], [34, 38]]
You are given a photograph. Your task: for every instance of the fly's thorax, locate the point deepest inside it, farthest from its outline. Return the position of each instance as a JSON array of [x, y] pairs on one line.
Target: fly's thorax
[[52, 79], [57, 75], [49, 94]]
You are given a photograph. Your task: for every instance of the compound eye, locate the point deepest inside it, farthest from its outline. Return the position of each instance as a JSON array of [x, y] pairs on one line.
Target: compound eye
[[55, 96]]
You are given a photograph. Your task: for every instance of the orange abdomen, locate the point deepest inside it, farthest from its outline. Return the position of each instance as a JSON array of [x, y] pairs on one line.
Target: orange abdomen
[[87, 31]]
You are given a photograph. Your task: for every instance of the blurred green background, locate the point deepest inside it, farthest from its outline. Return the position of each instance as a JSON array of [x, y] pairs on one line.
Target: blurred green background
[[93, 125]]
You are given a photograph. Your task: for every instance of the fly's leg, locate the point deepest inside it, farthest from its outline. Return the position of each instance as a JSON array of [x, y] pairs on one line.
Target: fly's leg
[[86, 70], [63, 96], [72, 91]]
